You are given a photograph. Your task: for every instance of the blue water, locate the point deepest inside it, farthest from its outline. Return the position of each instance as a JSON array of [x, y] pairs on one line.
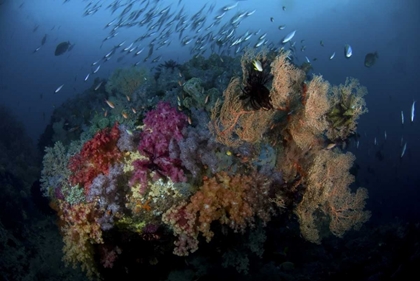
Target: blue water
[[29, 78]]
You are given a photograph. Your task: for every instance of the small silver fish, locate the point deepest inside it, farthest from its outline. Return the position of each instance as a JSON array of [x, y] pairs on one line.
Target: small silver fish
[[59, 88], [97, 69], [289, 37], [99, 85], [332, 56], [413, 109], [403, 149], [348, 51]]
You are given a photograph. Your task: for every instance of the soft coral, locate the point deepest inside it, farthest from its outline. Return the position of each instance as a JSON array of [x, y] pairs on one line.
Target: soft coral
[[162, 127], [95, 157]]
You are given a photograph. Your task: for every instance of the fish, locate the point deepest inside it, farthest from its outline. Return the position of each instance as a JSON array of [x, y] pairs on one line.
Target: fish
[[402, 117], [139, 51], [413, 110], [97, 69], [259, 43], [227, 8], [321, 43], [124, 114], [347, 51], [272, 19], [250, 13], [87, 77], [99, 85], [281, 27], [44, 39], [403, 149], [370, 59], [257, 65], [110, 104], [331, 146], [332, 56], [62, 48], [59, 88], [289, 37]]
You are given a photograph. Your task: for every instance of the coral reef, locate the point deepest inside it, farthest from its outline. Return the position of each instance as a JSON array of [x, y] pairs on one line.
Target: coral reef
[[201, 166]]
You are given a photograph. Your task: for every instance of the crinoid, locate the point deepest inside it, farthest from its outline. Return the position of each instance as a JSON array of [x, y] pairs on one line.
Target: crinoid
[[254, 92], [169, 64]]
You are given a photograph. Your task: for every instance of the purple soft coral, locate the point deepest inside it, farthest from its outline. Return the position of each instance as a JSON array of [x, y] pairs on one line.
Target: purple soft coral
[[162, 126]]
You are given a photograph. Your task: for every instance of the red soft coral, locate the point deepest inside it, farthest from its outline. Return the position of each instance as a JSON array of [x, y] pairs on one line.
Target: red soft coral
[[95, 157]]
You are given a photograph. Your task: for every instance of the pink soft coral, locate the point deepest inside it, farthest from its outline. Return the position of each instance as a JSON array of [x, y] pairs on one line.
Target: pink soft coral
[[162, 126]]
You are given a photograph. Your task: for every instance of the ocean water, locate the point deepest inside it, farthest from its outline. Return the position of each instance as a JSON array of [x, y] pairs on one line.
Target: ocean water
[[144, 34]]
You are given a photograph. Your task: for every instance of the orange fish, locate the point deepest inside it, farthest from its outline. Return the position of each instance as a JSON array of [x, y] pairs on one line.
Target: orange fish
[[106, 113], [110, 104], [125, 115], [134, 111], [128, 98]]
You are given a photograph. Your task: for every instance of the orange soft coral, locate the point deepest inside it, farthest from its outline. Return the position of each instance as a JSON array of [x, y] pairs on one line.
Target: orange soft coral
[[231, 200]]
